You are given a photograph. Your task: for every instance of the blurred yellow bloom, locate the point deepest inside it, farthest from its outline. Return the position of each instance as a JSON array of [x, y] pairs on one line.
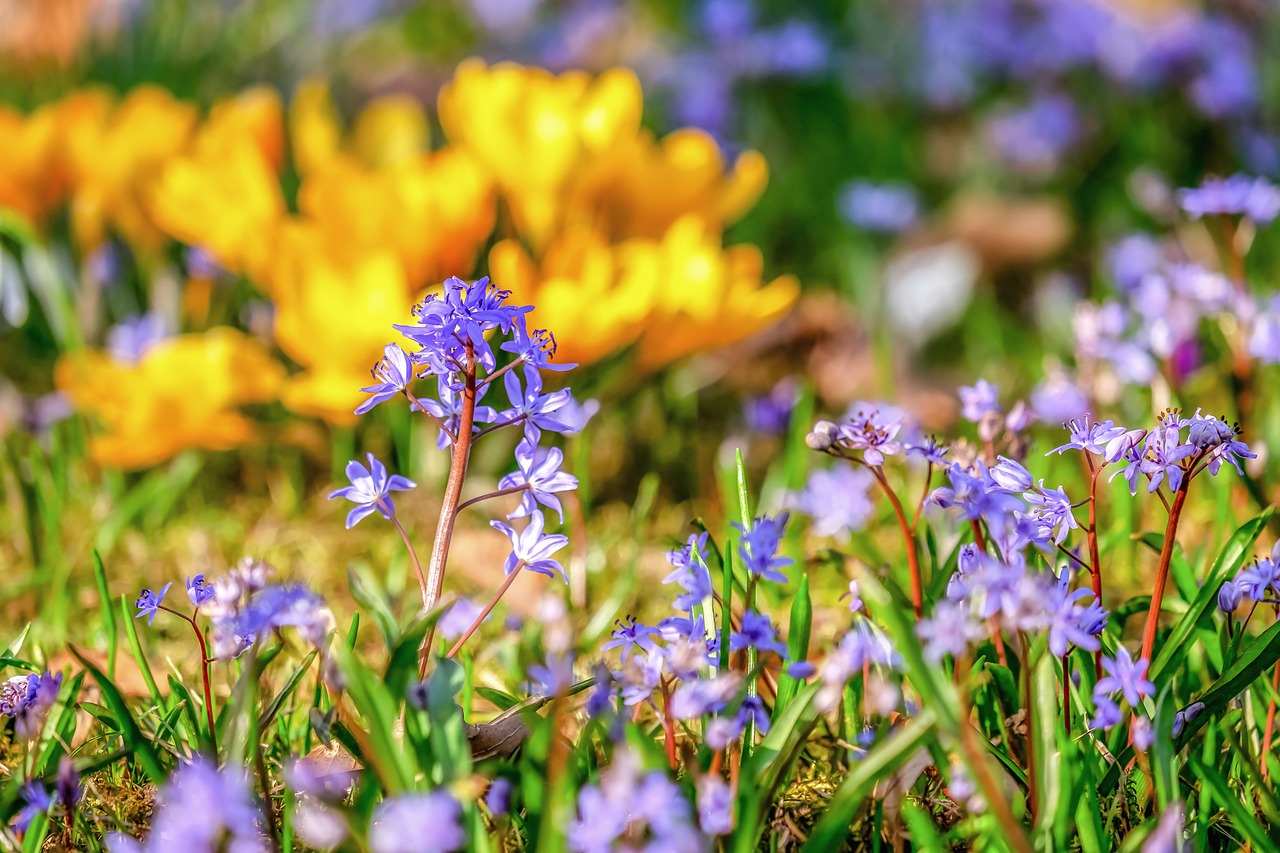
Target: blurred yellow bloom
[[315, 132], [391, 131], [183, 393], [115, 161], [224, 195], [544, 138], [677, 296], [333, 317]]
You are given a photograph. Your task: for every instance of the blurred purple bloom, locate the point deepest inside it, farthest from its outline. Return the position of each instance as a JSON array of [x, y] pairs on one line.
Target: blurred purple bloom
[[1034, 139], [759, 547], [1229, 597], [836, 499], [129, 340], [1132, 258], [771, 413], [370, 490], [498, 798], [757, 633], [978, 400], [1057, 400], [203, 808], [882, 208], [460, 616], [715, 805], [1124, 676], [949, 630], [37, 802], [1257, 198], [555, 676], [417, 823]]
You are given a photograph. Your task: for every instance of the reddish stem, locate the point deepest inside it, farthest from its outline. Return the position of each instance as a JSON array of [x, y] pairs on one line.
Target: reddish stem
[[1162, 572], [1095, 560], [413, 556], [1271, 722], [913, 558], [499, 493], [205, 660], [484, 614], [449, 506]]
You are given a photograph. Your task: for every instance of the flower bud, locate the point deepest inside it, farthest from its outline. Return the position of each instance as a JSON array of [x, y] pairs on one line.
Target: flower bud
[[1179, 723], [1011, 476], [1122, 444], [823, 437], [1229, 596]]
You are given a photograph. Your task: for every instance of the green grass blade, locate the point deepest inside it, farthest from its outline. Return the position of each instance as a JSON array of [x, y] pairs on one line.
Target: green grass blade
[[131, 631], [134, 740], [108, 614]]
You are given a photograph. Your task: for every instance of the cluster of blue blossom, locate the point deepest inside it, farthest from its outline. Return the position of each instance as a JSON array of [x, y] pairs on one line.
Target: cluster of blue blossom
[[1259, 582], [455, 333], [38, 800], [244, 606], [201, 808], [1156, 324], [26, 699], [630, 809]]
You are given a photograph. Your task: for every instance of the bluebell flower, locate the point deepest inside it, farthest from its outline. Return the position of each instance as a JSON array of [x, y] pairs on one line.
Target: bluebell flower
[[539, 470], [752, 711], [459, 617], [202, 808], [67, 783], [930, 451], [1051, 510], [771, 413], [131, 339], [370, 490], [1058, 399], [538, 411], [1010, 475], [555, 676], [1261, 578], [1126, 677], [417, 823], [1229, 596], [199, 592], [36, 801], [978, 400], [977, 497], [394, 372], [498, 797], [1162, 458], [873, 430], [1073, 624], [800, 670], [148, 603], [949, 630], [836, 499], [1089, 436], [759, 547], [715, 805], [883, 208], [701, 696], [631, 634], [1034, 139], [1106, 713], [757, 633], [447, 409], [1256, 198], [640, 675], [691, 572], [536, 349], [1132, 258], [532, 548]]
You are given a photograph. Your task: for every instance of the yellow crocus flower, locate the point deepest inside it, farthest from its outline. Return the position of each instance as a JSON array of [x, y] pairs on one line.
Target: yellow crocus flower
[[115, 162], [183, 393], [333, 317], [543, 137]]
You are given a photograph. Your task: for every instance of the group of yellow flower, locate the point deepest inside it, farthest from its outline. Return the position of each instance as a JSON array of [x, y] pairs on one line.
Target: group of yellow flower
[[615, 235]]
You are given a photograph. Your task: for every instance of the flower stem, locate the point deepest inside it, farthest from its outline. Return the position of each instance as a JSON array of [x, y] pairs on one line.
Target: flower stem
[[413, 557], [484, 614], [1271, 722], [499, 493], [1162, 573], [448, 508], [1095, 560], [913, 558], [205, 660]]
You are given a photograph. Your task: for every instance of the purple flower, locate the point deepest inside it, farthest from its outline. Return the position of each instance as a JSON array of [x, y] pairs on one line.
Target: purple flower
[[1229, 597], [555, 677], [1072, 623], [752, 711], [930, 451], [691, 572], [1033, 139], [1143, 732], [1088, 436], [535, 349], [715, 805], [800, 670], [882, 208], [448, 410], [836, 499], [532, 548], [948, 631], [198, 592], [148, 603], [771, 413], [1010, 475], [757, 633], [1132, 258], [370, 490], [759, 547], [1051, 510], [1124, 676], [977, 497], [130, 339], [1260, 577], [68, 782], [873, 430], [1162, 458], [538, 411], [458, 320], [460, 616], [1168, 836], [978, 400], [268, 610], [631, 634], [393, 374], [202, 808], [1107, 714], [38, 802], [1256, 198], [498, 798], [539, 471], [1058, 399], [417, 823]]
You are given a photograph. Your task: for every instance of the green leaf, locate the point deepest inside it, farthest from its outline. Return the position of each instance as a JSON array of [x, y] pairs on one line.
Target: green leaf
[[144, 667], [402, 666], [1174, 646], [1046, 723], [371, 598], [1257, 657], [379, 745], [833, 827], [108, 613], [285, 692], [448, 733], [1242, 818], [134, 741], [501, 700], [797, 644]]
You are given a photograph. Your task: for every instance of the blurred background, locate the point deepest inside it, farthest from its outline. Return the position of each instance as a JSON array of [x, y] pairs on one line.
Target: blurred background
[[731, 213]]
